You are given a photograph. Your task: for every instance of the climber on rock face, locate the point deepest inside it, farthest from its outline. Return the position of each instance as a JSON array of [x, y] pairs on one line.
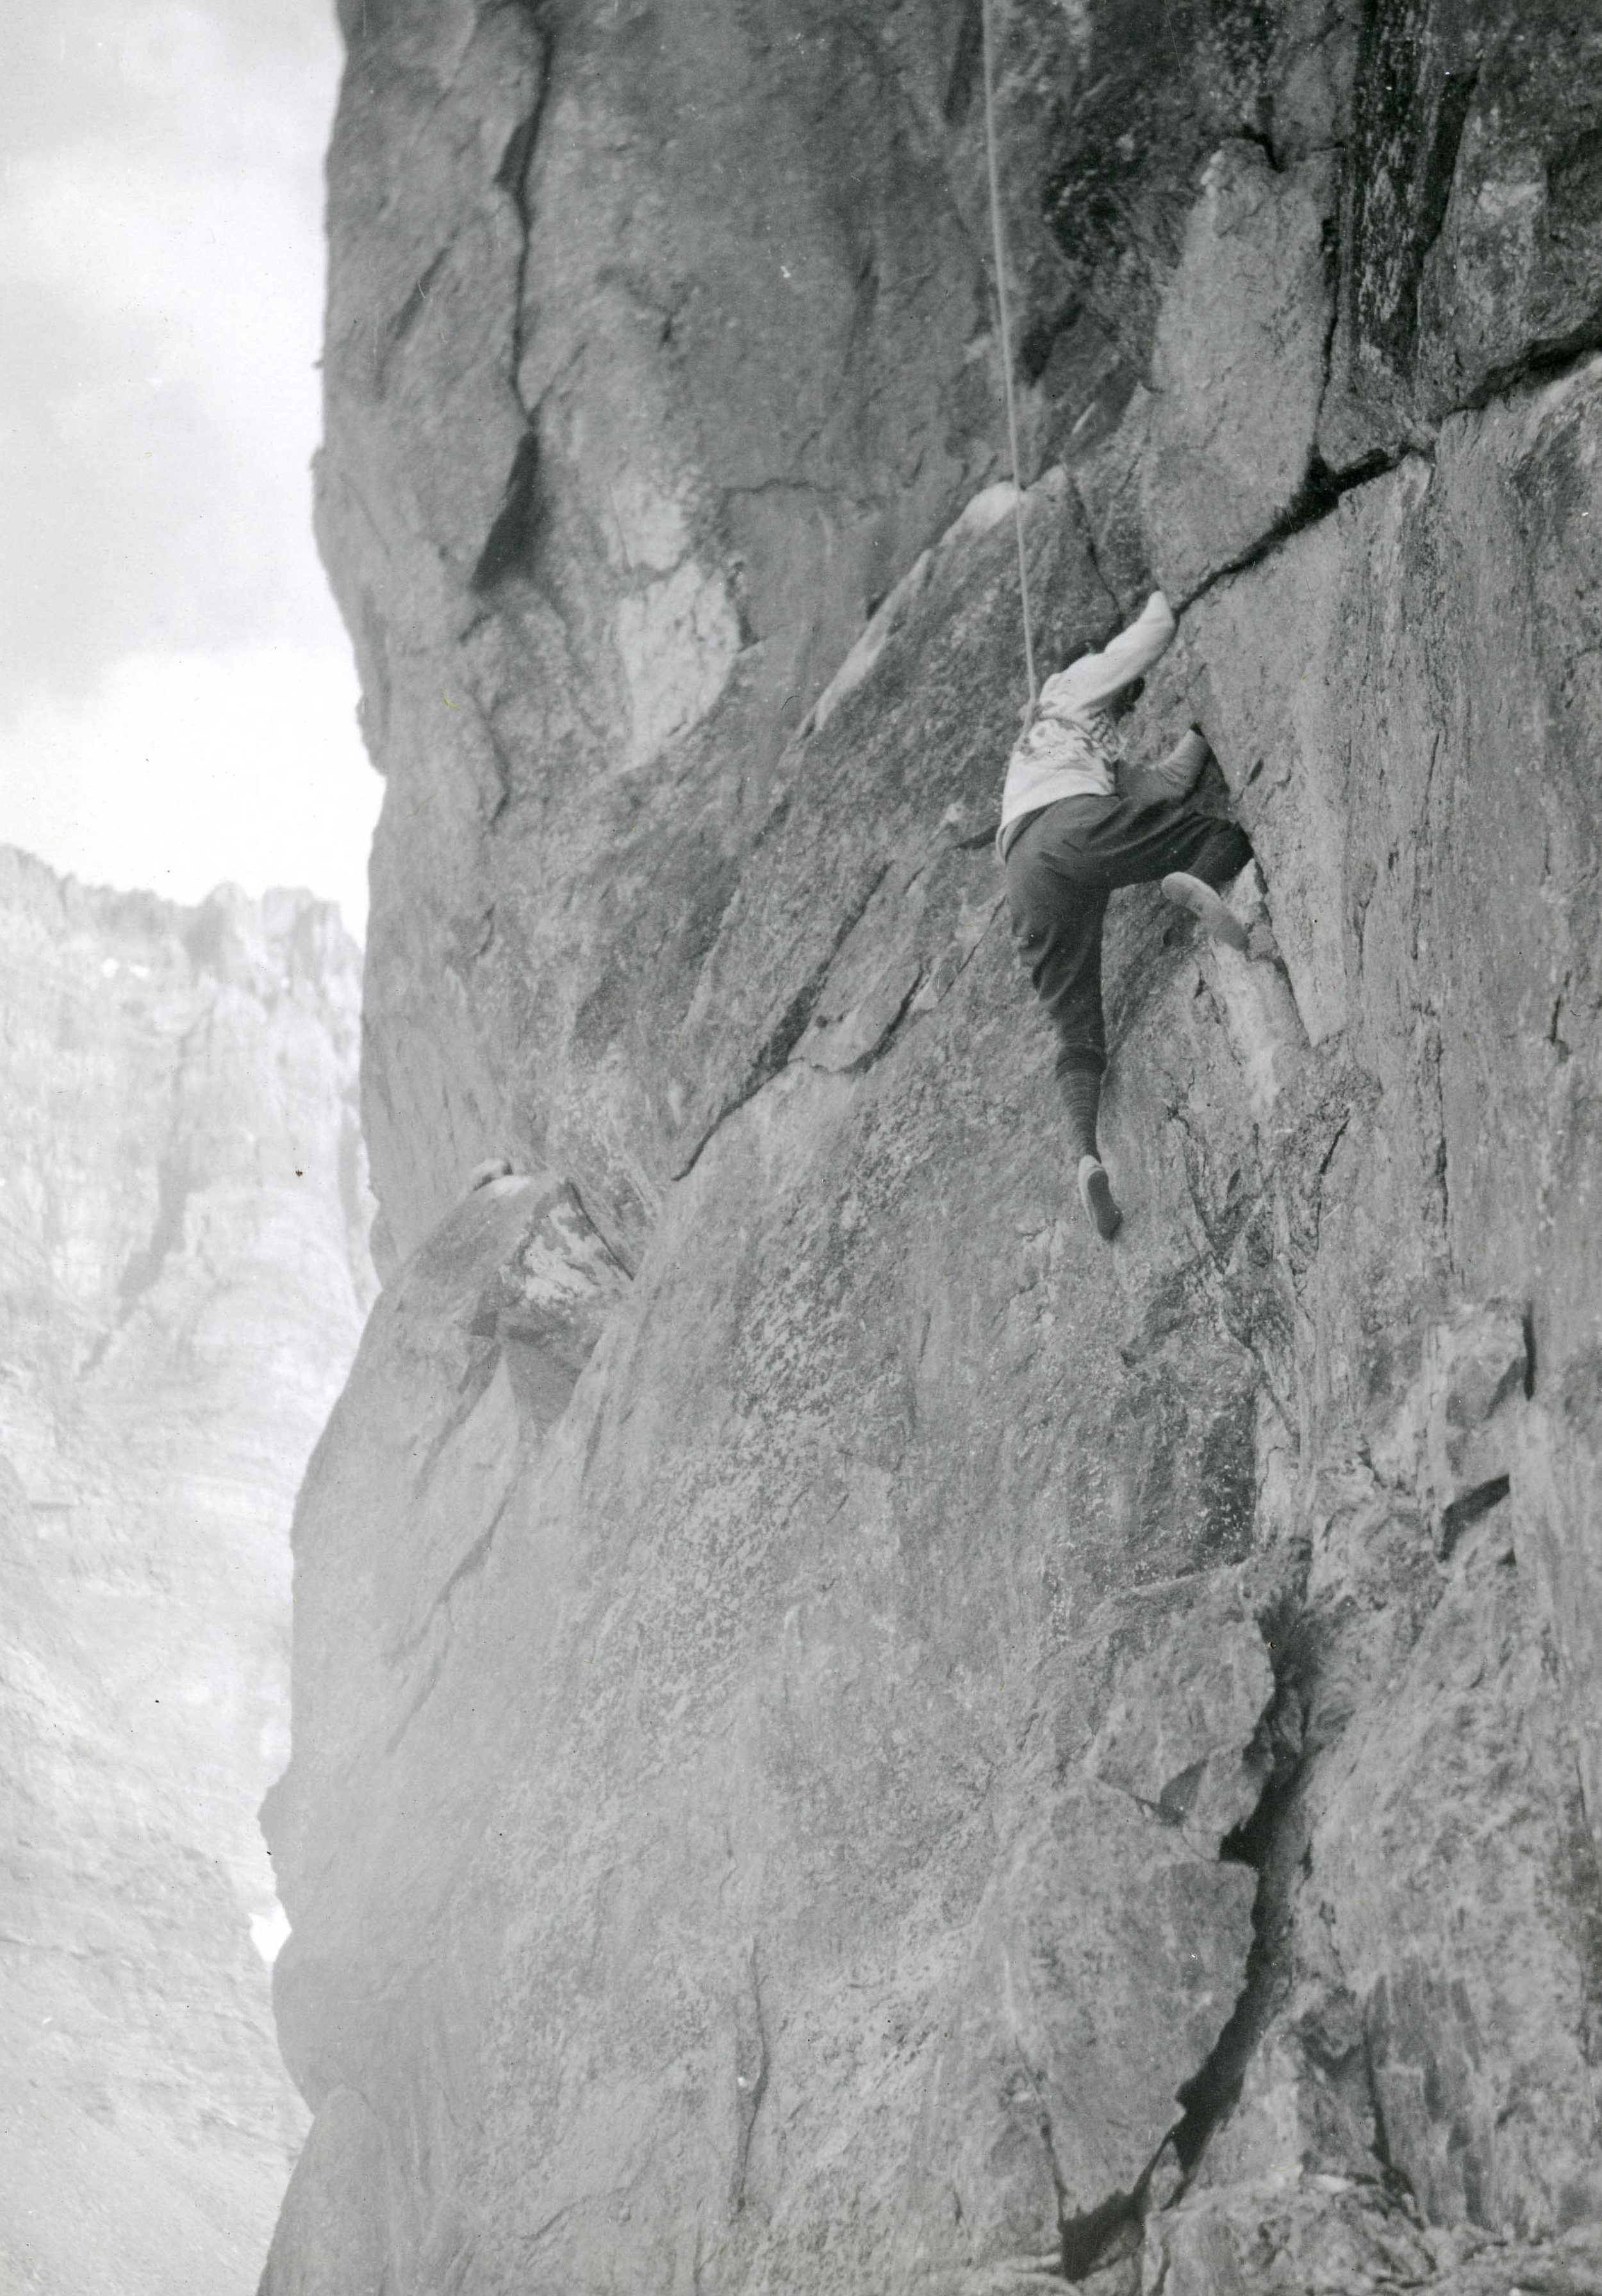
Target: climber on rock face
[[1075, 823]]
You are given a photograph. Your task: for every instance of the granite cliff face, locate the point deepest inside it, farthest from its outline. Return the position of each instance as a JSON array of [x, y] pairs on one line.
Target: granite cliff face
[[182, 1218], [846, 1736]]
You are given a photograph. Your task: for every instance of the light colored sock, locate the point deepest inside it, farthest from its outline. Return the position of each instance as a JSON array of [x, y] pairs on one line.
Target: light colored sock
[[1081, 1088]]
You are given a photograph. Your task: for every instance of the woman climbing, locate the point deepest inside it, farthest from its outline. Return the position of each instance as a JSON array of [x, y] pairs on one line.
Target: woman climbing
[[1070, 831]]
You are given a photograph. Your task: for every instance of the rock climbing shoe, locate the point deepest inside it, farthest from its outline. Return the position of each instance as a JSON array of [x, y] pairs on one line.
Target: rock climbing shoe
[[1188, 892], [1096, 1195]]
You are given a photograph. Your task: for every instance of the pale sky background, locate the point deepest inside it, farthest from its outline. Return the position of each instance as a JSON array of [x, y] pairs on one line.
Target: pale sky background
[[177, 694]]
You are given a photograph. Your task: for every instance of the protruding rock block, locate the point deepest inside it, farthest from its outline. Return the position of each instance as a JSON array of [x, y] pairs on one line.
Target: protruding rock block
[[1260, 1008], [1272, 643], [1238, 368], [487, 1173], [1109, 483], [1087, 2003], [1455, 1439], [1191, 1684], [1108, 1955], [549, 1299]]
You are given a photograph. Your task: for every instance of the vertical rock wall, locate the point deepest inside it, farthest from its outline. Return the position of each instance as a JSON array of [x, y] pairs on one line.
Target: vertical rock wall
[[847, 1736], [182, 1215]]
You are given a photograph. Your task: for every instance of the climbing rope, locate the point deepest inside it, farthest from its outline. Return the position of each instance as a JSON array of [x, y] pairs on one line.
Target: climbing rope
[[998, 243]]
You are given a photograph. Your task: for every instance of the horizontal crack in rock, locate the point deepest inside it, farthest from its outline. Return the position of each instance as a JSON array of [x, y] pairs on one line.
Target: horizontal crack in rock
[[1320, 494], [1323, 488]]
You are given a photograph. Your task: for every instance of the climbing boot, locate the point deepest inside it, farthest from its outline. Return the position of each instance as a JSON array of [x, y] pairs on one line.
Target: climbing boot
[[1096, 1195], [1188, 892]]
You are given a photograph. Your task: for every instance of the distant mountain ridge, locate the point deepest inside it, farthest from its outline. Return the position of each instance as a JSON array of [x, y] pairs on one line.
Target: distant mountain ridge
[[183, 1280]]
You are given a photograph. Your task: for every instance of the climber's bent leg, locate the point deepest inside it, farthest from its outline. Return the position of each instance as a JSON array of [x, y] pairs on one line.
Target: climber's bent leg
[[1061, 866], [1056, 908], [1057, 920], [1220, 854]]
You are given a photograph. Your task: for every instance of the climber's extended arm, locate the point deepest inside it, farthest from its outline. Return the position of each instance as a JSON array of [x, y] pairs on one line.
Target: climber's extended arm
[[1095, 679]]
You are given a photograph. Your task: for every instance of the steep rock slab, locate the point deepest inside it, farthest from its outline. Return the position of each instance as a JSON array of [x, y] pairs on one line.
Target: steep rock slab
[[764, 1364], [1399, 695], [771, 1606], [1432, 829], [875, 869]]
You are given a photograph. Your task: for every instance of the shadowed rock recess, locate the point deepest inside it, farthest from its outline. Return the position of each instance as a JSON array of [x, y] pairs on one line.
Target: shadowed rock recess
[[847, 1737]]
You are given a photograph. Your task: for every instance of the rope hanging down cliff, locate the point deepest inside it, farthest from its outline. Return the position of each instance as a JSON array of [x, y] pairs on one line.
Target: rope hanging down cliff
[[999, 245]]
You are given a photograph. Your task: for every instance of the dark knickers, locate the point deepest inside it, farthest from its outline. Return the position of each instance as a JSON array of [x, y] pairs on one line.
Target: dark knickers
[[1060, 867]]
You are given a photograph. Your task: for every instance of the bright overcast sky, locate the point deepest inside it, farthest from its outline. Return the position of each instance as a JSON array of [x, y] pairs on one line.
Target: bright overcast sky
[[176, 695]]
